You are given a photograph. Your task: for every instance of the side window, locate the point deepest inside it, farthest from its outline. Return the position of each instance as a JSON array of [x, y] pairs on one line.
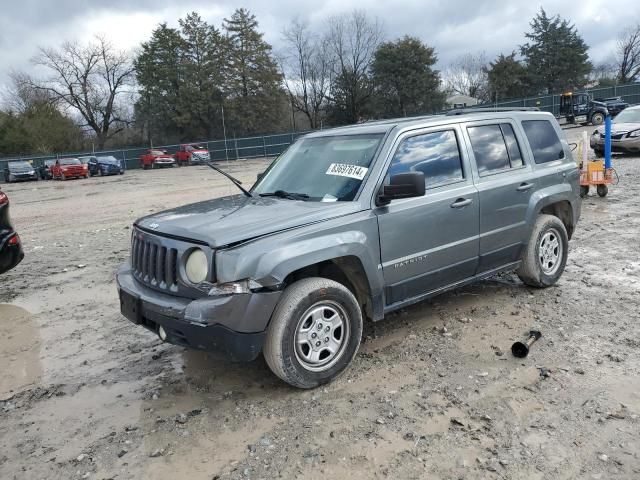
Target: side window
[[515, 157], [435, 154], [544, 141], [495, 148]]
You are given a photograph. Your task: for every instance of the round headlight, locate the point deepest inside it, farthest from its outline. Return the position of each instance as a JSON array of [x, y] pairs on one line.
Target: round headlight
[[197, 267]]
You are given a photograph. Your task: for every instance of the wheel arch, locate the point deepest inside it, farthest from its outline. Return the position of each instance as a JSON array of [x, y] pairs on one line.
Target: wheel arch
[[347, 270], [561, 209]]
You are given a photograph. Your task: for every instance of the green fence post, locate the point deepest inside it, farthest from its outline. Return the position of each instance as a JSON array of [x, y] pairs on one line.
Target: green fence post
[[264, 146]]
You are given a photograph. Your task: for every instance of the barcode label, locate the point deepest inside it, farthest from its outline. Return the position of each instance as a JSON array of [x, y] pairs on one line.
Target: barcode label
[[351, 171]]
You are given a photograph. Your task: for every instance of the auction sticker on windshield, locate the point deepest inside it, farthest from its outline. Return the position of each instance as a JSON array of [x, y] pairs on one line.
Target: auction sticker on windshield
[[351, 171]]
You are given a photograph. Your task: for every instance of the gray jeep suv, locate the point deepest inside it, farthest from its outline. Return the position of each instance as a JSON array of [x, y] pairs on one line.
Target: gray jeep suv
[[353, 223]]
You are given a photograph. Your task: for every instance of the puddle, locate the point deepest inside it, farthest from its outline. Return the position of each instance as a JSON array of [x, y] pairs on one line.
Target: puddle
[[19, 350]]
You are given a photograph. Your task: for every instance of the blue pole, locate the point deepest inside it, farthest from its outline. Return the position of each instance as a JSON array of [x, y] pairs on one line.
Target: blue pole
[[607, 141]]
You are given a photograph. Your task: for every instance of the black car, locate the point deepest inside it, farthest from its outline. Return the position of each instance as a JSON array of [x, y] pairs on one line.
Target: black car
[[106, 165], [20, 170], [11, 253], [614, 104], [44, 170]]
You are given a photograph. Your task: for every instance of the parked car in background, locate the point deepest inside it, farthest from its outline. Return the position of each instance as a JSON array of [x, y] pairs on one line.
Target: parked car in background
[[625, 133], [19, 171], [105, 165], [192, 153], [155, 158], [66, 168], [44, 170], [11, 253], [614, 105]]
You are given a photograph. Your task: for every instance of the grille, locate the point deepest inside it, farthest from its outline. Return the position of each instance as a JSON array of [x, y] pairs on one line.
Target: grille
[[154, 264]]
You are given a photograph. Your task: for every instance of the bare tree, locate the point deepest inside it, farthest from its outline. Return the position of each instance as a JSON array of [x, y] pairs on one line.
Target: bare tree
[[467, 75], [352, 40], [89, 79], [628, 55], [306, 71]]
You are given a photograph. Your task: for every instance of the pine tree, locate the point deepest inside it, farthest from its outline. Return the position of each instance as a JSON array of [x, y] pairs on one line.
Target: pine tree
[[159, 70], [404, 78], [252, 77], [556, 55], [507, 78]]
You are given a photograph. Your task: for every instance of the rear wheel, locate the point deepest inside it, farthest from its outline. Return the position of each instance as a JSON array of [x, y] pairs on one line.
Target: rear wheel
[[314, 333], [602, 190], [546, 254], [597, 118]]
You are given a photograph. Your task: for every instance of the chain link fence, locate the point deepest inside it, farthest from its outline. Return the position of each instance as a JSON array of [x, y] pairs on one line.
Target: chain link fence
[[272, 145], [229, 149], [551, 103]]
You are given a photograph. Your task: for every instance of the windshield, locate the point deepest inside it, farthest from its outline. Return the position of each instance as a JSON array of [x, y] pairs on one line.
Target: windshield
[[630, 115], [195, 147], [19, 165], [157, 152], [69, 161], [324, 168], [108, 159], [84, 159]]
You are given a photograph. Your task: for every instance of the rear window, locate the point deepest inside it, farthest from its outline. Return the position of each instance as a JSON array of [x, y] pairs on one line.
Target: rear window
[[544, 141], [70, 161]]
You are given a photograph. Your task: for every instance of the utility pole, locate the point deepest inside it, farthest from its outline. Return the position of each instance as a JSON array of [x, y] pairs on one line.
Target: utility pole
[[224, 131]]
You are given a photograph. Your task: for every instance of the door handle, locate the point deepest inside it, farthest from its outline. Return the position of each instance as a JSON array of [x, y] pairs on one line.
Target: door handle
[[461, 202], [524, 187]]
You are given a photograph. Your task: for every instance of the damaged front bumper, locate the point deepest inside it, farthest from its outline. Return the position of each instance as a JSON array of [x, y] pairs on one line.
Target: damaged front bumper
[[234, 325]]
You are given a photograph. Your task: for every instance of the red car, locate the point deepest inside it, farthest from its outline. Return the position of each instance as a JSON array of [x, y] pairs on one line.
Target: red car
[[191, 153], [154, 158], [65, 168]]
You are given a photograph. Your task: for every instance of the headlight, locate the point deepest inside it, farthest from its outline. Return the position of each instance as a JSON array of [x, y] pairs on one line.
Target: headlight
[[234, 288], [634, 134], [197, 267]]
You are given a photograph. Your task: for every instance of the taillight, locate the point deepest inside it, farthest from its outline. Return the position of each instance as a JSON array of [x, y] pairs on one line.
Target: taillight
[[3, 198], [15, 240]]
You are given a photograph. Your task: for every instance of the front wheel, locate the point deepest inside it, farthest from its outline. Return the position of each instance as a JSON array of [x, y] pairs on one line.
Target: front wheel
[[584, 191], [602, 190], [314, 333], [545, 256]]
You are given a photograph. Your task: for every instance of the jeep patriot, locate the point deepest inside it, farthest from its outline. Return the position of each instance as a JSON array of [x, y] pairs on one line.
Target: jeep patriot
[[350, 224]]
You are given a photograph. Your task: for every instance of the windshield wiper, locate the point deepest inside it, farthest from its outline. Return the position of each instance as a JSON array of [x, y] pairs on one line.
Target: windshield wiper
[[288, 195], [235, 181]]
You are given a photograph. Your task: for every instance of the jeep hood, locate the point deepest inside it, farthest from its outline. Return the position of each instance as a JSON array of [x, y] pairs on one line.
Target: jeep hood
[[227, 220]]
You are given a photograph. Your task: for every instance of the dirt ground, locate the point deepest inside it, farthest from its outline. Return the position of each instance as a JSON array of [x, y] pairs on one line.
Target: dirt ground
[[434, 392]]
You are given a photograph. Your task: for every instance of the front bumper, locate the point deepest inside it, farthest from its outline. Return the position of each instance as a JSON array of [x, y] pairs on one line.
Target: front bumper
[[234, 325], [623, 145]]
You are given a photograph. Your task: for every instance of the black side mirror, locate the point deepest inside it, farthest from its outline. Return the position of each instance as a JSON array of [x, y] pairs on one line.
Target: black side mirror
[[402, 185], [259, 176]]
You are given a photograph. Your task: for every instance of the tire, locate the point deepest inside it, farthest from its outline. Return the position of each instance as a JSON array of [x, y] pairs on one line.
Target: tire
[[547, 232], [584, 190], [294, 362], [597, 118], [602, 190]]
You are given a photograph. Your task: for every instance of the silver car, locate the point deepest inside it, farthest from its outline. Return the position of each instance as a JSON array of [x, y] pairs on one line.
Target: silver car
[[350, 224], [625, 133]]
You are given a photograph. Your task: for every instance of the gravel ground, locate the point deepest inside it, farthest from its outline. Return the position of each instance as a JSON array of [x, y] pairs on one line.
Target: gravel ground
[[433, 393]]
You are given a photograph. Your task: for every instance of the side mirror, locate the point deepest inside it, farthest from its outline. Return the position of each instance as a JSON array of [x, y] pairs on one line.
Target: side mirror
[[402, 185], [259, 176]]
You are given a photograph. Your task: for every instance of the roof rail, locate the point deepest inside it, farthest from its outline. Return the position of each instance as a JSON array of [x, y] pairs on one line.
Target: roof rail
[[464, 111]]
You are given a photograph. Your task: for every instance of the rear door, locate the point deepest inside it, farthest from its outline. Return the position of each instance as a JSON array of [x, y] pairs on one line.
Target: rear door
[[505, 180], [429, 242]]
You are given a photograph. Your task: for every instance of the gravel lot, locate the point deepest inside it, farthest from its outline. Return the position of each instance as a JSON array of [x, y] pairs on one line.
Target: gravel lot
[[433, 393]]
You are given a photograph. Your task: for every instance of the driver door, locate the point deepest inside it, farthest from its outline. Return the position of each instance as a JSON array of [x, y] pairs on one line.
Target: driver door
[[430, 242]]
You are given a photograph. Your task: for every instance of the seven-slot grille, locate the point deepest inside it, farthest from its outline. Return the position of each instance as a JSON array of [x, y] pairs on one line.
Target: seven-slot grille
[[154, 264]]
